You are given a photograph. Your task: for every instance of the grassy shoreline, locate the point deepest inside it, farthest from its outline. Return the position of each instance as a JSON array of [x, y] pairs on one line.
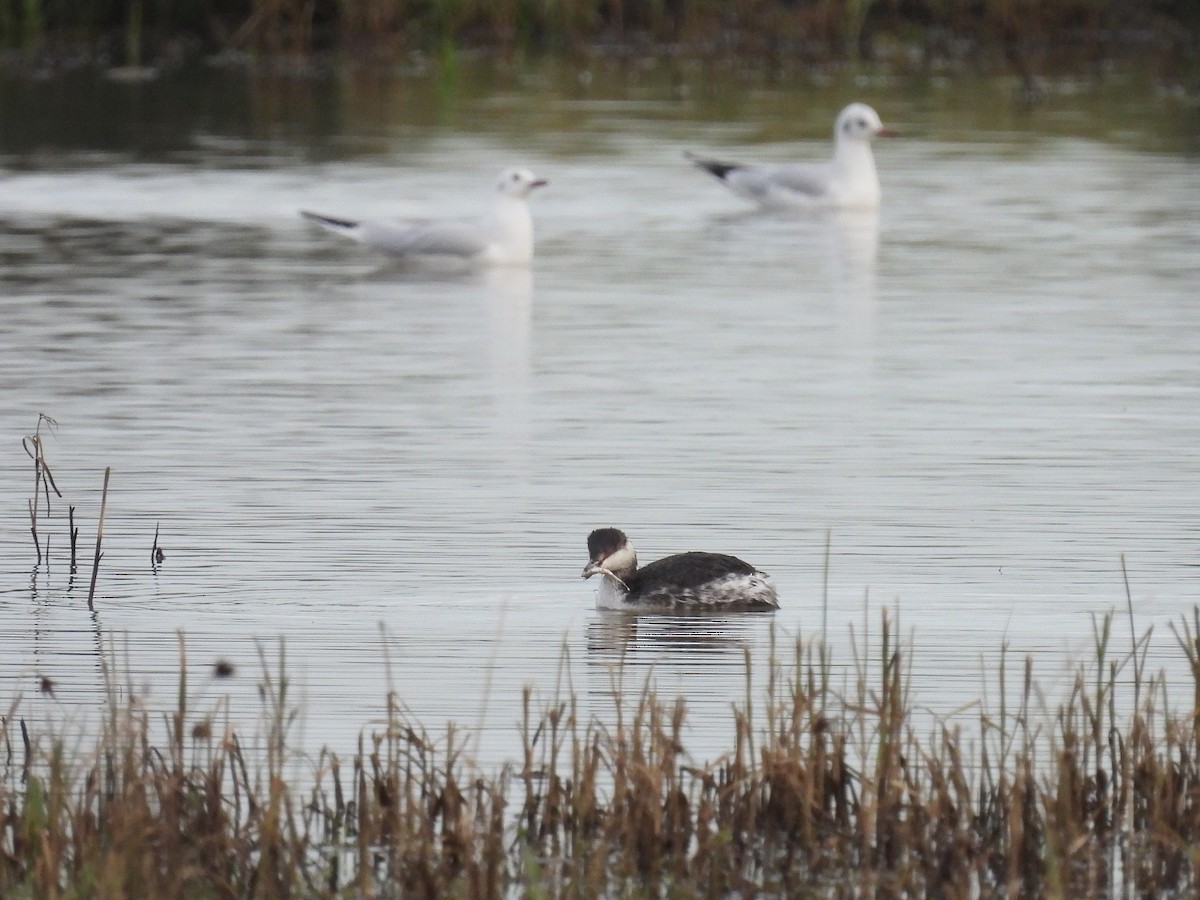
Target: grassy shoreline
[[1013, 34], [820, 791], [827, 786]]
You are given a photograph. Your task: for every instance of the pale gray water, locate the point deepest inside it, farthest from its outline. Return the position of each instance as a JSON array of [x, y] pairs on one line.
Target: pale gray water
[[987, 395]]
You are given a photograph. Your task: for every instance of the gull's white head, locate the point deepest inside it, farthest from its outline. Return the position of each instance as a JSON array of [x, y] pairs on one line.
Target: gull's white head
[[518, 183], [858, 122]]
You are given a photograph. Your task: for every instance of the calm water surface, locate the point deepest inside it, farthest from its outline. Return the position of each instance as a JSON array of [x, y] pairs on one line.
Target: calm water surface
[[985, 396]]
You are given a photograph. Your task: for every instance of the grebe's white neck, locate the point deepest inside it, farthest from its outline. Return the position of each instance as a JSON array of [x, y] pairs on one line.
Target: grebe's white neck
[[611, 593]]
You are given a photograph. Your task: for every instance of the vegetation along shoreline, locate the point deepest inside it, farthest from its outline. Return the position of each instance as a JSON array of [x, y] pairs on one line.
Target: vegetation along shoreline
[[846, 791], [1008, 35]]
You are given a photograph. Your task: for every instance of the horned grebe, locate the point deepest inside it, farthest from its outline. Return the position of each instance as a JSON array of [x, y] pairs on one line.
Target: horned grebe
[[847, 180], [685, 581], [503, 236]]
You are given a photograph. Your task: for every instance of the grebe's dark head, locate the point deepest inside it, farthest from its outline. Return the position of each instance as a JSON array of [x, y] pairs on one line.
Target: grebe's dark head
[[610, 553]]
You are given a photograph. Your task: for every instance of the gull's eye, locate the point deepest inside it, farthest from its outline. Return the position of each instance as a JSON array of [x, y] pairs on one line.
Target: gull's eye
[[862, 123]]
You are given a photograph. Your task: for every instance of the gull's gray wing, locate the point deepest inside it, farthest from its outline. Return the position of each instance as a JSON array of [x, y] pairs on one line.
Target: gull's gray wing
[[811, 180], [767, 184], [400, 238]]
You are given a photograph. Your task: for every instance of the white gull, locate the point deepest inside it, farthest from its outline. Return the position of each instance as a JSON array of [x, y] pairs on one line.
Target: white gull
[[848, 180], [502, 236]]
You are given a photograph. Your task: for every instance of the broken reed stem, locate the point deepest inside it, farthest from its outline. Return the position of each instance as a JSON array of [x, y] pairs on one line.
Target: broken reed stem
[[36, 455], [74, 532], [43, 479], [33, 527], [99, 537], [156, 553]]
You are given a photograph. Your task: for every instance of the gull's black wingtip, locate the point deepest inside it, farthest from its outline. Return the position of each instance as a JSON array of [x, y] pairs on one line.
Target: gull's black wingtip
[[328, 220], [713, 167]]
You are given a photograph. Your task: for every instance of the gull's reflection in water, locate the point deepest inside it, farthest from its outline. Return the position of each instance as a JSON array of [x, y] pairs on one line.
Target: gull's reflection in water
[[494, 311], [506, 279], [836, 252], [508, 294], [853, 240]]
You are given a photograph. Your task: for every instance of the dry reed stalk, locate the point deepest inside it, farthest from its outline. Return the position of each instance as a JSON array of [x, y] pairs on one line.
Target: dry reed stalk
[[99, 538], [619, 809], [73, 531], [43, 482]]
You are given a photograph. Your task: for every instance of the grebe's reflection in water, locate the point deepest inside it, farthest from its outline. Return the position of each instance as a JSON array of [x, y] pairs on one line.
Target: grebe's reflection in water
[[702, 660], [695, 639]]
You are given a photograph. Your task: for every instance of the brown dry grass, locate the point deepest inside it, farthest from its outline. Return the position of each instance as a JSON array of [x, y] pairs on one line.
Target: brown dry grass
[[822, 792], [819, 794]]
